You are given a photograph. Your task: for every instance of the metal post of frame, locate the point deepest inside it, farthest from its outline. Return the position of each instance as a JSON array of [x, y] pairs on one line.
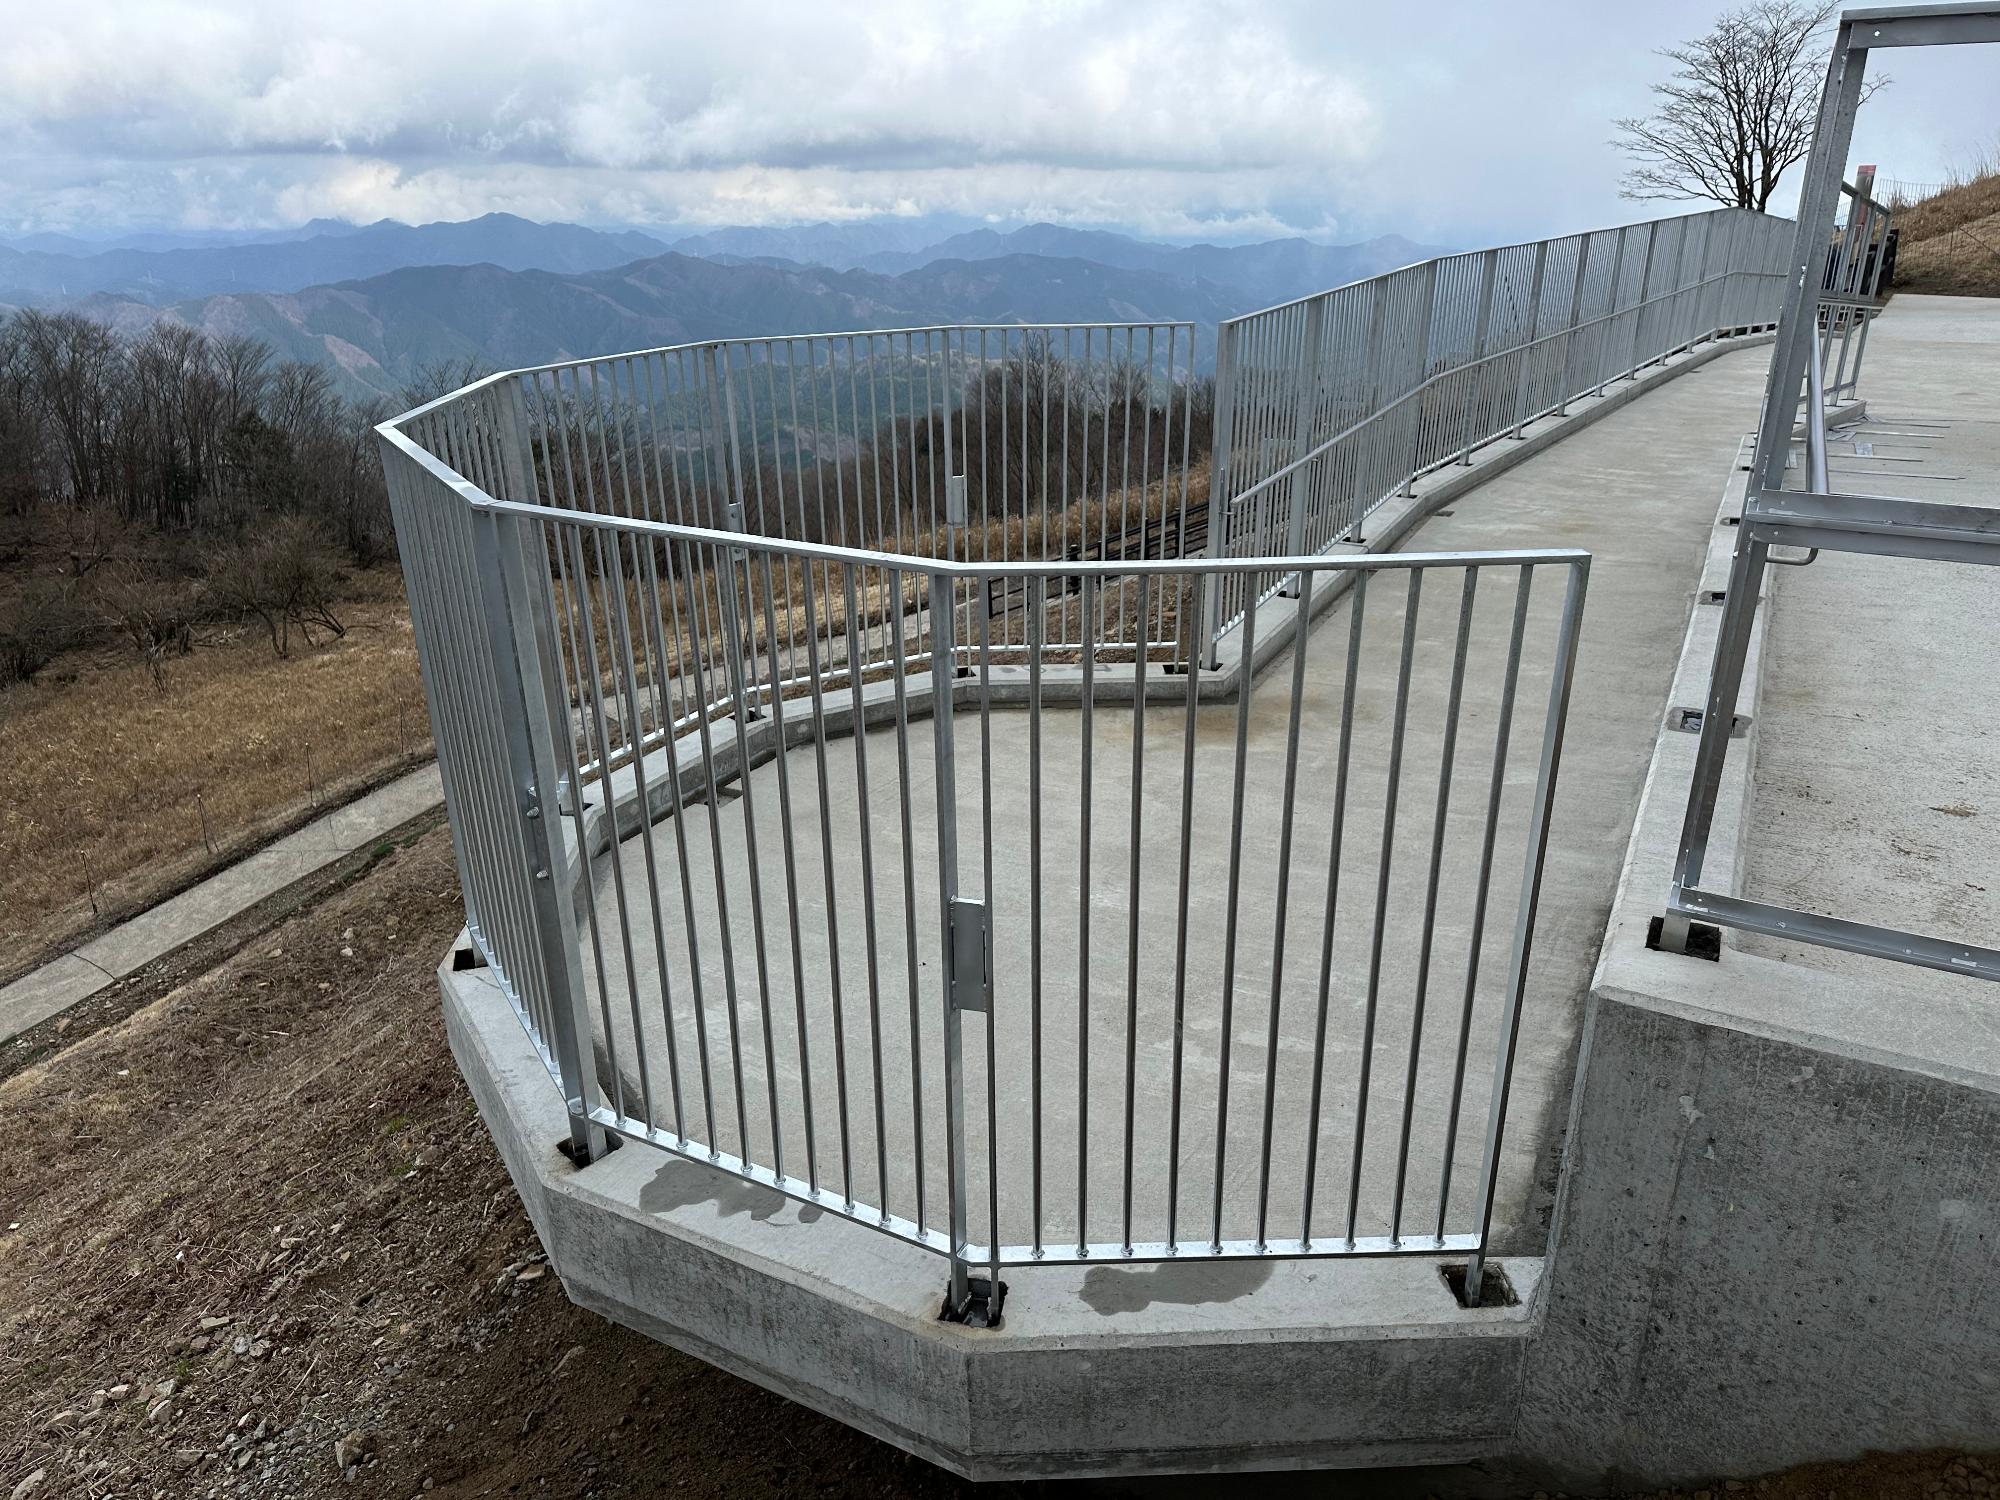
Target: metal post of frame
[[1798, 332], [966, 985], [1218, 485], [1645, 292], [1575, 312], [511, 602], [1489, 265], [1305, 409], [1372, 385], [1423, 342], [1602, 342]]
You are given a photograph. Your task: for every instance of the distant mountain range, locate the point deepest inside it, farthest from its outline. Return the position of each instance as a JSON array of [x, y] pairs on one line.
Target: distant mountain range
[[377, 333], [335, 253], [839, 246], [380, 301], [1273, 271]]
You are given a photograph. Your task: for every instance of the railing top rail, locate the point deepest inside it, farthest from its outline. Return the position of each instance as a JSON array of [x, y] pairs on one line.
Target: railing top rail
[[1577, 234], [1455, 372], [1031, 568], [393, 426]]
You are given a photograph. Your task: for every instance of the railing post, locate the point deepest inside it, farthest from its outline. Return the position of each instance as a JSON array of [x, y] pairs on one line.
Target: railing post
[[1372, 446], [1423, 374], [1218, 484], [511, 601], [966, 986], [1522, 382], [1575, 313], [1604, 373], [1489, 265], [1305, 408], [1639, 312]]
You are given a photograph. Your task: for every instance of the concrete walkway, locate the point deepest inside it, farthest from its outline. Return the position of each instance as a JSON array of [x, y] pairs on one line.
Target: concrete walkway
[[1877, 782], [131, 945]]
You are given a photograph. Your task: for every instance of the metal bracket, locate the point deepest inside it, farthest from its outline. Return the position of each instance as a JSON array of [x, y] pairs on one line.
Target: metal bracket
[[981, 1308], [971, 984], [954, 499], [1689, 721]]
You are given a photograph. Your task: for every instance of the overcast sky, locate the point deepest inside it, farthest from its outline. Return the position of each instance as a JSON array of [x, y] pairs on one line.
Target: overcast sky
[[1443, 119]]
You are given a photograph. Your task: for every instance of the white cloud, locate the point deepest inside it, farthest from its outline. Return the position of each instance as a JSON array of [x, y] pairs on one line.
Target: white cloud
[[1441, 117]]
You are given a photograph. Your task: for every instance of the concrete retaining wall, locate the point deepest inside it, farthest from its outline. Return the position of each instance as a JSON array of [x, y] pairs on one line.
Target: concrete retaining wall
[[1769, 1252]]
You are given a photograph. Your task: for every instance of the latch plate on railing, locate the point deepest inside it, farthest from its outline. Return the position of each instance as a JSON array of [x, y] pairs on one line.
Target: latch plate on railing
[[971, 985]]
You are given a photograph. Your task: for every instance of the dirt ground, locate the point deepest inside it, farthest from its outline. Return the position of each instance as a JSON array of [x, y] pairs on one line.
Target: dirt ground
[[253, 1236]]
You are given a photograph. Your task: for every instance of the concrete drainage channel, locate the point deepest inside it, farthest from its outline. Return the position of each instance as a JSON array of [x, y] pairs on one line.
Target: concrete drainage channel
[[218, 902]]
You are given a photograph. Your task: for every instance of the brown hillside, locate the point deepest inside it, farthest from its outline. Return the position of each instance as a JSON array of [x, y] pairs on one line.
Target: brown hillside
[[1950, 241]]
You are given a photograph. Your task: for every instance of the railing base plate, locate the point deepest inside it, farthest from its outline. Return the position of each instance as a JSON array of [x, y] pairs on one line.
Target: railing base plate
[[982, 1305]]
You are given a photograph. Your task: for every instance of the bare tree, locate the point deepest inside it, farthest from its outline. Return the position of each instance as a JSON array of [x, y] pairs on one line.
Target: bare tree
[[442, 376], [1738, 110], [77, 368]]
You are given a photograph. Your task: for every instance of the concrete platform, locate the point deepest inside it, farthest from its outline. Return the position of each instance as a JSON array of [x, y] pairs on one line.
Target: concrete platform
[[1878, 761], [1109, 1368], [1771, 1220]]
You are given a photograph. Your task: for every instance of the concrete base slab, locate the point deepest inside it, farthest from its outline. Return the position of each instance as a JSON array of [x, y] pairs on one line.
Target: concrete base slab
[[1095, 1370]]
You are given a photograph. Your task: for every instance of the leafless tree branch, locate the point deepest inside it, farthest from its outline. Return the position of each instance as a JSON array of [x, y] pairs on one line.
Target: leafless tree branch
[[1738, 110]]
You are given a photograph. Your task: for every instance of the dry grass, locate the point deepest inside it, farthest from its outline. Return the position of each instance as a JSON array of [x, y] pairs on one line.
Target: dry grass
[[1950, 242], [118, 791], [811, 599]]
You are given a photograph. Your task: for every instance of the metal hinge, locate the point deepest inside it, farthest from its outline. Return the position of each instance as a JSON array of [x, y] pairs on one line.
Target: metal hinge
[[971, 984]]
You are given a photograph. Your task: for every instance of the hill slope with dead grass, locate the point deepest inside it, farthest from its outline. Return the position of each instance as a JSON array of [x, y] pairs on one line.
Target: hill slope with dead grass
[[1950, 242]]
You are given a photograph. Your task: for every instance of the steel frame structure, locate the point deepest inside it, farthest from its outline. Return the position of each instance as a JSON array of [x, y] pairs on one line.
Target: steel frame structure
[[1820, 517]]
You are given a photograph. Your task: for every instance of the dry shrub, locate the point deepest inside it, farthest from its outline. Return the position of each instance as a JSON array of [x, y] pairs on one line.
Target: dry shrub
[[39, 623], [287, 577], [157, 614]]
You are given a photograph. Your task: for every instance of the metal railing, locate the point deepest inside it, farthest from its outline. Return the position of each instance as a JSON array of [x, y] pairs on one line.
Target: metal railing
[[1084, 1002], [1858, 267], [1352, 394], [1205, 957]]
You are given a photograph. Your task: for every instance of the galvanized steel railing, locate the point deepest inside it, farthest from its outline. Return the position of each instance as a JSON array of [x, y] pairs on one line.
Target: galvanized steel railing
[[767, 960], [1858, 270], [1330, 405]]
